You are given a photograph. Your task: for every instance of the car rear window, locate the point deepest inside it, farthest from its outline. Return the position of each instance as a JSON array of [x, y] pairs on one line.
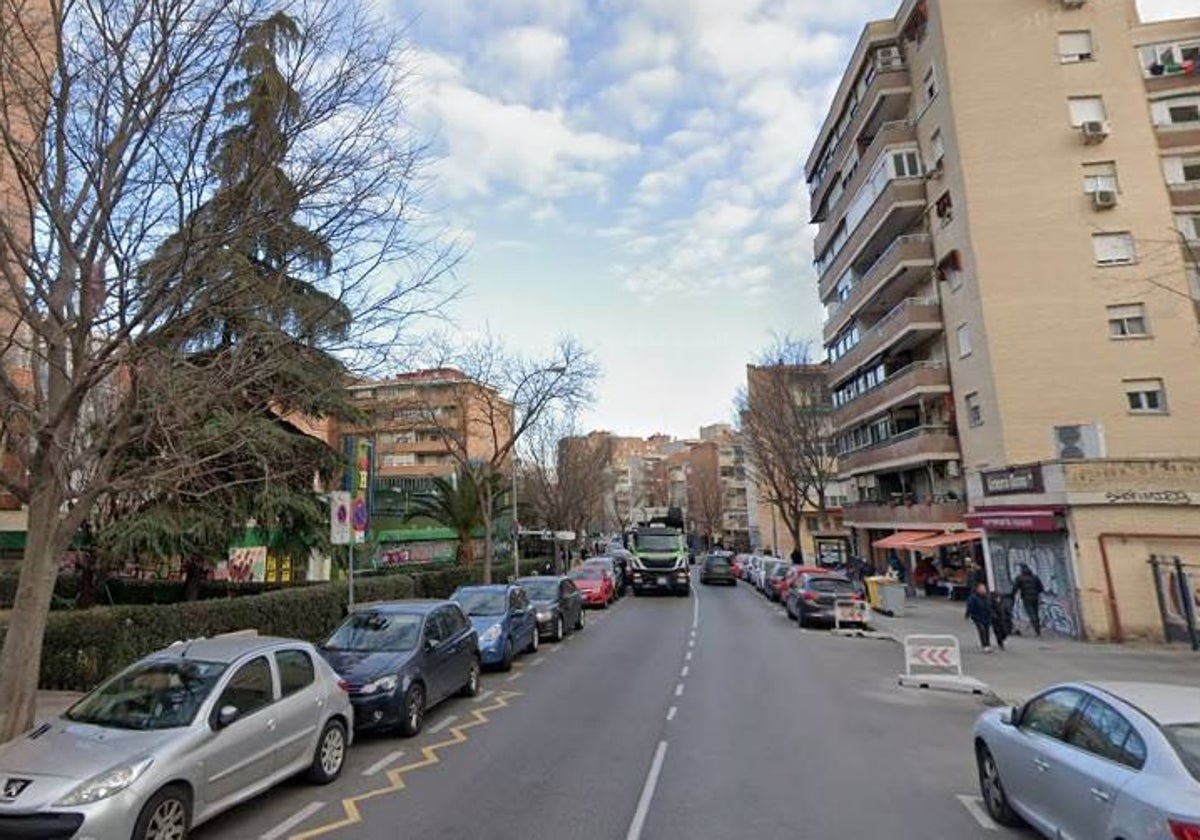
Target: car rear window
[[718, 563], [1186, 741], [833, 585]]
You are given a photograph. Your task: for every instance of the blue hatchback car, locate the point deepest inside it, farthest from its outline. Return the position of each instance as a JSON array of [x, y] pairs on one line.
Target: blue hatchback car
[[504, 619]]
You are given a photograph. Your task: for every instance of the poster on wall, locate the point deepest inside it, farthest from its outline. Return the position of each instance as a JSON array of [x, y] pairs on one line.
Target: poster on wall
[[248, 564]]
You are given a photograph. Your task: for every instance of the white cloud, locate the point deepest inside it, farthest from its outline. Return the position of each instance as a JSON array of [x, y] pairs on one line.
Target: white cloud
[[523, 63], [640, 99], [638, 44]]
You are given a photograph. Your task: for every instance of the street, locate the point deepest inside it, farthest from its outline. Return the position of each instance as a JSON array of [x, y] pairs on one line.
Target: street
[[707, 717]]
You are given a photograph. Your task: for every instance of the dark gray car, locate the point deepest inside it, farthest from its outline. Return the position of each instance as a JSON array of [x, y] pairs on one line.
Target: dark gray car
[[558, 603], [402, 658]]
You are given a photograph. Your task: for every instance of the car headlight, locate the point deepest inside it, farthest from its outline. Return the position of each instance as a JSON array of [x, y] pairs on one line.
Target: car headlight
[[544, 615], [383, 684], [491, 634], [107, 784]]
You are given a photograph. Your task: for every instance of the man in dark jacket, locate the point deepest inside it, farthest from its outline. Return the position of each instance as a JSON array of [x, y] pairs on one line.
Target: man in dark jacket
[[979, 610], [1028, 587]]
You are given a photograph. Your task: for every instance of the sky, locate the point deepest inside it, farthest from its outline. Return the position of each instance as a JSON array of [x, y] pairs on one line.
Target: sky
[[629, 172]]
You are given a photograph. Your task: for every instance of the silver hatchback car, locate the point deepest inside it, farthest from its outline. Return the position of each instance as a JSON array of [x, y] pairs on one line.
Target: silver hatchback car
[[175, 739], [1096, 761]]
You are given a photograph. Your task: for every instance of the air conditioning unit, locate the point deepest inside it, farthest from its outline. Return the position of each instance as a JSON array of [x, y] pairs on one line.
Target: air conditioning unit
[[1093, 131], [952, 469], [1073, 4], [1102, 199], [1078, 443]]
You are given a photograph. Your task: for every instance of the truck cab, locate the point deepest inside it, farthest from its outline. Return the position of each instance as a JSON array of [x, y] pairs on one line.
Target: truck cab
[[660, 561]]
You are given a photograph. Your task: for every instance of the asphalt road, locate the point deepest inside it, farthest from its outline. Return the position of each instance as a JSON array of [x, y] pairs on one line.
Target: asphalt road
[[711, 717]]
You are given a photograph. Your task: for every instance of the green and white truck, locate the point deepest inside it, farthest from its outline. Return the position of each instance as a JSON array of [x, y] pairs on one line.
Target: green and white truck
[[660, 560]]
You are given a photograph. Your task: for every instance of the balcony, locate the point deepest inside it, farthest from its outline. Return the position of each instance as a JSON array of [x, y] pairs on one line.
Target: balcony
[[897, 208], [889, 134], [1177, 135], [908, 324], [907, 449], [936, 515], [901, 387], [890, 278], [885, 99], [1171, 83], [1185, 195]]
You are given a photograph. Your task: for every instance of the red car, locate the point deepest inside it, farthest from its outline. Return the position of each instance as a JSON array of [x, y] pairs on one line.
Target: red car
[[597, 586], [793, 574], [738, 566]]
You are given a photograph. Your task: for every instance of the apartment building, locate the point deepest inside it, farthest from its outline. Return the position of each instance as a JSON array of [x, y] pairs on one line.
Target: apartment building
[[1008, 201]]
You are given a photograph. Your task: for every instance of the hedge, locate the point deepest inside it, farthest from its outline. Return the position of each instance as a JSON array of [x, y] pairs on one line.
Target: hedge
[[82, 647]]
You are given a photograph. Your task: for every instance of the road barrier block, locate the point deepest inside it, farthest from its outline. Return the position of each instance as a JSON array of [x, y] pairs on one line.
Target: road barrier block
[[936, 662], [851, 617]]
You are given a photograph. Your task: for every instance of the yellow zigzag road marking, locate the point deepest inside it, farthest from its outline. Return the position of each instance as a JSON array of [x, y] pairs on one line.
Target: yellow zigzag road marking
[[352, 814]]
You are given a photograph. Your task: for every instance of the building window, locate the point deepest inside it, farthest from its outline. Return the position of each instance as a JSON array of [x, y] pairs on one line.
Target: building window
[[964, 341], [907, 164], [974, 410], [1146, 396], [1188, 112], [1189, 169], [951, 269], [930, 85], [402, 459], [1100, 176], [1189, 225], [1114, 248], [1171, 58], [1127, 321], [944, 208], [1086, 109], [937, 151], [1074, 46]]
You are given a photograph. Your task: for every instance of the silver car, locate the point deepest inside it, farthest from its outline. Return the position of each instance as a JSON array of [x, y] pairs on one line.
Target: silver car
[[1095, 761], [175, 739]]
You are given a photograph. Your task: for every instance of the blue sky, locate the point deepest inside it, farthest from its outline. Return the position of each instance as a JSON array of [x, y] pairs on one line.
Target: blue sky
[[629, 171]]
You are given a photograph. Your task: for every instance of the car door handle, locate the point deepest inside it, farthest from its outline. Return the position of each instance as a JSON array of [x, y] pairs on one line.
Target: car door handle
[[1041, 765], [271, 725], [1100, 795]]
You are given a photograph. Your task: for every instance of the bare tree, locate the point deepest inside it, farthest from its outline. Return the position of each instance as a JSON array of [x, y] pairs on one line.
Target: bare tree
[[117, 279], [784, 419], [706, 496], [566, 474], [502, 396]]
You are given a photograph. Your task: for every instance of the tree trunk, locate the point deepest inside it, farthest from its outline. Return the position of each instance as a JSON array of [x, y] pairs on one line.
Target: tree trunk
[[194, 573], [487, 497], [89, 584], [797, 543], [21, 656]]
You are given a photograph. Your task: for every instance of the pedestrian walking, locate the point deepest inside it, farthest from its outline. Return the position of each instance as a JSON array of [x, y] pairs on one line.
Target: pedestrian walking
[[1028, 587], [979, 610], [1001, 617], [797, 556]]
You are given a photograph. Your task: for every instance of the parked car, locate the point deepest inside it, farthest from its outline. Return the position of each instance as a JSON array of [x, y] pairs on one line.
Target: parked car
[[614, 569], [793, 574], [596, 583], [762, 569], [812, 598], [504, 619], [622, 558], [716, 568], [1095, 760], [402, 658], [177, 738], [557, 602], [738, 566], [773, 572]]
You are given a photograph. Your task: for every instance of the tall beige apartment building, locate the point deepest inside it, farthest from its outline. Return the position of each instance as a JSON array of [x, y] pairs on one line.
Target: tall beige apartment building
[[1008, 201]]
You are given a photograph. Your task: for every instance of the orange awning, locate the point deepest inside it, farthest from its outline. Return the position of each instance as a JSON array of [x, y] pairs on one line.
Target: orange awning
[[951, 538], [903, 539]]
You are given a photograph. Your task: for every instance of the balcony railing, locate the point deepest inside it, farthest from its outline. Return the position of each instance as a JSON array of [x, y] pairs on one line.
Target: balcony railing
[[1177, 135], [889, 134], [912, 380], [909, 315], [924, 443], [1185, 195], [913, 250], [900, 193], [882, 515]]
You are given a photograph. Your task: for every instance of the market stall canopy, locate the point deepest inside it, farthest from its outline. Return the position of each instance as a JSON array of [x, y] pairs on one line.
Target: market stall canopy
[[903, 539], [951, 538]]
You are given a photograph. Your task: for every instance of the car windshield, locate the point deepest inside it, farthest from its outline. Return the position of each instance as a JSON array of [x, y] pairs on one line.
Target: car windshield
[[599, 563], [541, 590], [586, 574], [1185, 739], [657, 542], [717, 562], [374, 631], [831, 585], [482, 601], [153, 694]]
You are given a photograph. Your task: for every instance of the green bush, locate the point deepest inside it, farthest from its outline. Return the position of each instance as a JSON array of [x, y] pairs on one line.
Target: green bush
[[83, 647]]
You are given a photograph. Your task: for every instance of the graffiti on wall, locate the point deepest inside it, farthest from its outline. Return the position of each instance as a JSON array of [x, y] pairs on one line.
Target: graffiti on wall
[[1046, 555]]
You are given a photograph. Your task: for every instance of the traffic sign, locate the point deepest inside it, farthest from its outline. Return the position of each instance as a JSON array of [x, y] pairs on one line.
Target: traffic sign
[[339, 517], [936, 662]]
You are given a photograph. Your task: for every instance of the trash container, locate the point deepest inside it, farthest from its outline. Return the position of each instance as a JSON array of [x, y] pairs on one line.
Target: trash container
[[891, 597], [873, 591]]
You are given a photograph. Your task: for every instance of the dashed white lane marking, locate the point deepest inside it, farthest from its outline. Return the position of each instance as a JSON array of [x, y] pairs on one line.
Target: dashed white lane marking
[[483, 695], [514, 677], [679, 690], [443, 723], [643, 806], [671, 713], [293, 821], [684, 672], [974, 806], [387, 761], [691, 642], [695, 609], [688, 657]]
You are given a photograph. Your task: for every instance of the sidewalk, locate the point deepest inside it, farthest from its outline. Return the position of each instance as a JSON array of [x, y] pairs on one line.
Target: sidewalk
[[1028, 664]]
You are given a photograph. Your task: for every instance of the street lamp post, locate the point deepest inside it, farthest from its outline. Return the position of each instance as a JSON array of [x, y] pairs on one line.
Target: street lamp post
[[516, 528]]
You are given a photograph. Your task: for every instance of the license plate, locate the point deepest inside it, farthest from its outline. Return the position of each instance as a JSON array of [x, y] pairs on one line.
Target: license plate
[[662, 580]]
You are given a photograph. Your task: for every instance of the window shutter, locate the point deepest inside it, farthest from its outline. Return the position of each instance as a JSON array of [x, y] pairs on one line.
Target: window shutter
[[1074, 44], [1113, 247], [1086, 109]]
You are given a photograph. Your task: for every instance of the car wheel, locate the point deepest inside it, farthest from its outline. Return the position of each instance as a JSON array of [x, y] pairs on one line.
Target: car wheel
[[559, 630], [533, 641], [330, 755], [995, 800], [507, 660], [802, 619], [471, 686], [413, 710], [579, 621], [166, 816]]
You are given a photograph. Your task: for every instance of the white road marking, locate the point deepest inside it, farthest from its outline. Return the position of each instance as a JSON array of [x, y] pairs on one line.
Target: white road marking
[[695, 608], [671, 713], [691, 642], [974, 806], [679, 690], [688, 657], [684, 672], [293, 821], [643, 806], [483, 695], [384, 762], [515, 676], [442, 724], [536, 662]]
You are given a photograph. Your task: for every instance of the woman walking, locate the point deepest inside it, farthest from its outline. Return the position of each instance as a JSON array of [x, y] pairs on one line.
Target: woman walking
[[979, 610]]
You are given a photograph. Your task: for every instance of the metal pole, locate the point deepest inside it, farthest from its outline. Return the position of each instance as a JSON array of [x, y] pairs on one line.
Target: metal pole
[[350, 607], [1185, 599], [516, 530]]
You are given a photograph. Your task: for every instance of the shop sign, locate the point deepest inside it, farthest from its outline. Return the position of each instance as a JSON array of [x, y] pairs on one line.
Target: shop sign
[[1147, 497], [1012, 480], [1014, 520]]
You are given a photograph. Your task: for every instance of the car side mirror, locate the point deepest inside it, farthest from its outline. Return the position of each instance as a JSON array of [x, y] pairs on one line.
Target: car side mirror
[[227, 715], [1013, 718], [431, 644]]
